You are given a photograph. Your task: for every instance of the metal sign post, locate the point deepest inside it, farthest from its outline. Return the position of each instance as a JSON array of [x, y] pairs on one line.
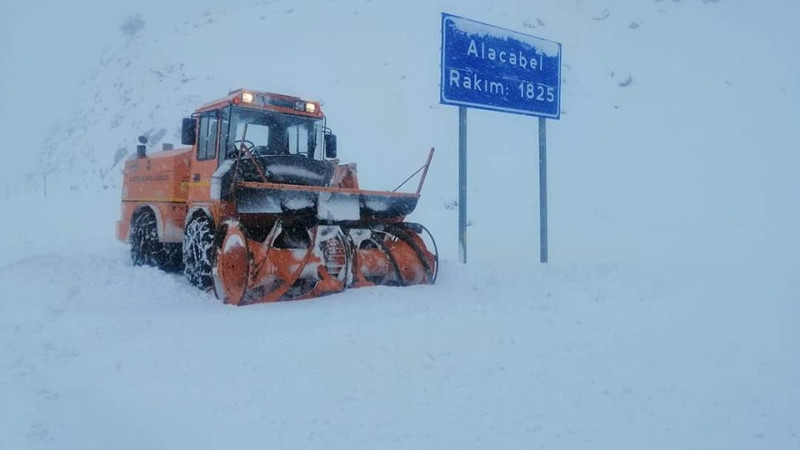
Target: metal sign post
[[542, 189], [487, 67], [462, 184]]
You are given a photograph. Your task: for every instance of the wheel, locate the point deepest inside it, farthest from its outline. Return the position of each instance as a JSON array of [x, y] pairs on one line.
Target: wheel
[[198, 252], [170, 259], [146, 250]]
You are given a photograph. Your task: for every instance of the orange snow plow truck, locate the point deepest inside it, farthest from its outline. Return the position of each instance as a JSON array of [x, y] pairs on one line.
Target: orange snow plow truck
[[258, 208]]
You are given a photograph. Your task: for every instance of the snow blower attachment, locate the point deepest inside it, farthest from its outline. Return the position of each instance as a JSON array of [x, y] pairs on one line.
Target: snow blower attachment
[[259, 209]]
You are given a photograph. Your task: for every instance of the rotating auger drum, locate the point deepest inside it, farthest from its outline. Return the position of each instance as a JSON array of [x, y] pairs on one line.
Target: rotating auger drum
[[298, 262]]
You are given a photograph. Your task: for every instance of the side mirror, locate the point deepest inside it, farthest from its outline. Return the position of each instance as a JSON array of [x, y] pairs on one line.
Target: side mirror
[[330, 146], [188, 131]]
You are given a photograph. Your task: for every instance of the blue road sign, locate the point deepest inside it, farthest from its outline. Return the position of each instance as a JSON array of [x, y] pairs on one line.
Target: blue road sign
[[488, 67]]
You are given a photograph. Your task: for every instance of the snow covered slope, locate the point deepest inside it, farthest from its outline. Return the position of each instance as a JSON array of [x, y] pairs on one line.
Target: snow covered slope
[[98, 354], [666, 320], [691, 161]]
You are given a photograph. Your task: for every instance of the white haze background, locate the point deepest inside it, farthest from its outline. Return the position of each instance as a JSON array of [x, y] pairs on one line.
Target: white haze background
[[666, 319]]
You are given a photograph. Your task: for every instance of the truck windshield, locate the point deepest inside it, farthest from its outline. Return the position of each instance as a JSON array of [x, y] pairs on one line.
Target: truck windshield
[[272, 133]]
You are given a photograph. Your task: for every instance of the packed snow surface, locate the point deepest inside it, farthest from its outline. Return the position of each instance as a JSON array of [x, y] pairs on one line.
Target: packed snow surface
[[665, 320], [99, 354]]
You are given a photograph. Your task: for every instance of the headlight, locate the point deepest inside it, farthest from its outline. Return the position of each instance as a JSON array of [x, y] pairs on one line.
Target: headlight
[[311, 108], [247, 97]]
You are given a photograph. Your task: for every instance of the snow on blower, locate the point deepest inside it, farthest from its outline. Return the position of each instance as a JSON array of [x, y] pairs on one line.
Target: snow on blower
[[259, 209]]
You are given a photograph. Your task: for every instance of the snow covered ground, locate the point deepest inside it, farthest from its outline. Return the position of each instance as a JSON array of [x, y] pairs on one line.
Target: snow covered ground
[[98, 354], [667, 319]]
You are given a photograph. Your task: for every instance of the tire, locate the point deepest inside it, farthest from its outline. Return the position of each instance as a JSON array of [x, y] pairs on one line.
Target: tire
[[170, 259], [199, 255], [146, 250]]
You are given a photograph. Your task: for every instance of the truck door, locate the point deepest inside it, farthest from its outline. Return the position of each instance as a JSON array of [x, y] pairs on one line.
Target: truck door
[[205, 160]]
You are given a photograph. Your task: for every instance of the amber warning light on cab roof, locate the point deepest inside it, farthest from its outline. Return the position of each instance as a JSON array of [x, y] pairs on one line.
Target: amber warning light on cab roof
[[257, 99]]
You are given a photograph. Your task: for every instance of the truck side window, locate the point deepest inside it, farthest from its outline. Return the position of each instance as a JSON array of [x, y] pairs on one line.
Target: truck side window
[[207, 138], [298, 140], [224, 130]]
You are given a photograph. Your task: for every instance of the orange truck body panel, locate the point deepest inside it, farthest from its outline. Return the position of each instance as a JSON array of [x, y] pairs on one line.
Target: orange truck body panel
[[161, 181]]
